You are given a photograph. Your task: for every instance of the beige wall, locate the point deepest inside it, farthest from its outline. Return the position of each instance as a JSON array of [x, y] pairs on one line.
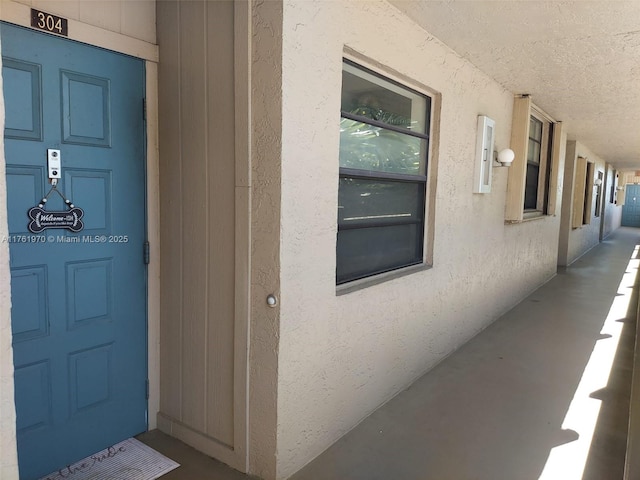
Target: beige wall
[[575, 242], [630, 177], [340, 357], [135, 19], [267, 111], [123, 26]]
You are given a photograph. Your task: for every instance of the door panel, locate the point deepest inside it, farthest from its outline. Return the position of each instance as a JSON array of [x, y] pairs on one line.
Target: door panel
[[631, 207], [78, 299], [23, 80], [85, 109]]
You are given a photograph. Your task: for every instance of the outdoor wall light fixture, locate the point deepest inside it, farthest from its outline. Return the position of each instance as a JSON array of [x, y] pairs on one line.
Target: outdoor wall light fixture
[[487, 156], [505, 157]]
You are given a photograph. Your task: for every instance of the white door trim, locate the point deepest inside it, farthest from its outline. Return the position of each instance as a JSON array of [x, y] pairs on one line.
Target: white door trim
[[153, 237]]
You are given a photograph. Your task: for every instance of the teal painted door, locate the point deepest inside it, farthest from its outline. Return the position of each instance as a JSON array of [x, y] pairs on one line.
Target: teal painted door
[[78, 299], [631, 207]]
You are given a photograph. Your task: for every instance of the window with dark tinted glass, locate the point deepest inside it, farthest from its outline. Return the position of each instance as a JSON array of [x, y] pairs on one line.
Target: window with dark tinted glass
[[538, 163], [384, 138]]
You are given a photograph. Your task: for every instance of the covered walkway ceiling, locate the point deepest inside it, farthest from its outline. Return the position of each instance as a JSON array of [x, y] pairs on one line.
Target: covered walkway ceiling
[[579, 60]]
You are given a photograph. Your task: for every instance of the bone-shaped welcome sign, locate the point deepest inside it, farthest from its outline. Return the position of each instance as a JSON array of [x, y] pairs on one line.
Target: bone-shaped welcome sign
[[41, 219]]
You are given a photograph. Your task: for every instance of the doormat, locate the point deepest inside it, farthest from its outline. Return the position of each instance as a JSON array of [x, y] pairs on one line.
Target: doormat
[[127, 460]]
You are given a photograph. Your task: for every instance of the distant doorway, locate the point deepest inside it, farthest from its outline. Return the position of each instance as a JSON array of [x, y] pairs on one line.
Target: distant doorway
[[631, 207]]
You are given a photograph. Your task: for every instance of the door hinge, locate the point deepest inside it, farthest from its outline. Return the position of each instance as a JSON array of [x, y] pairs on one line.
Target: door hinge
[[144, 109], [147, 389], [146, 253]]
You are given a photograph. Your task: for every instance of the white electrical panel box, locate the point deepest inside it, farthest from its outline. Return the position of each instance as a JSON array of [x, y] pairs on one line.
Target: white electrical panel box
[[484, 154]]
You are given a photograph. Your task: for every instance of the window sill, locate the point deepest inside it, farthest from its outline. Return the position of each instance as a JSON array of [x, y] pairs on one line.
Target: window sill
[[528, 217], [378, 279], [533, 216]]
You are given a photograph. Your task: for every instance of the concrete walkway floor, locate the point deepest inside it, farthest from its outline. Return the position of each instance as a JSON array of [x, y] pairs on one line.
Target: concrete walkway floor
[[543, 393]]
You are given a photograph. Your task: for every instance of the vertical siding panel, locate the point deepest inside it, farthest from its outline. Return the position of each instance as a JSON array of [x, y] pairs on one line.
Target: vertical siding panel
[[198, 211], [221, 153], [171, 191], [194, 212], [242, 248]]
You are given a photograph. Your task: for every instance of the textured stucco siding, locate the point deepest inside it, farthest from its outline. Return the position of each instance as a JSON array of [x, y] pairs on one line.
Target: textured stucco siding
[[340, 357], [266, 146]]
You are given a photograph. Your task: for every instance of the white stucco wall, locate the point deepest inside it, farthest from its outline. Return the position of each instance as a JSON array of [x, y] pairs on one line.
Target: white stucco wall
[[340, 357]]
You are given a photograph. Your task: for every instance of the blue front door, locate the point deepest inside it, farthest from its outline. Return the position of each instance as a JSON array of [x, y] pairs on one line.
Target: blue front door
[[631, 207], [78, 299]]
